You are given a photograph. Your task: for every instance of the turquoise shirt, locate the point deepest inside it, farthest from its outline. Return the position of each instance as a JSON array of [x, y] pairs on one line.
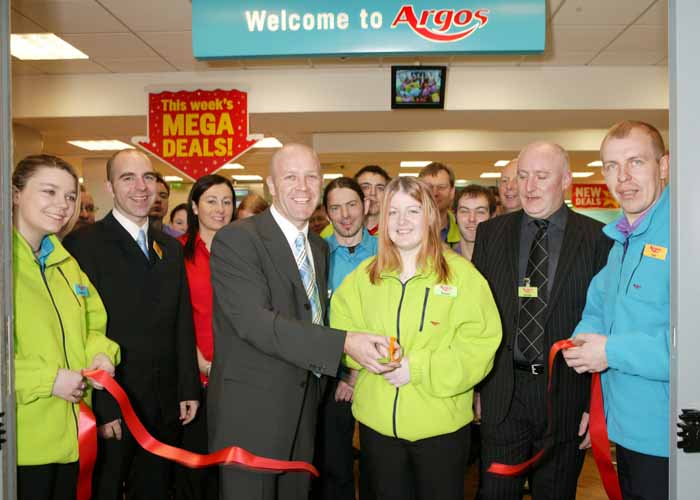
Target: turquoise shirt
[[342, 262], [628, 300]]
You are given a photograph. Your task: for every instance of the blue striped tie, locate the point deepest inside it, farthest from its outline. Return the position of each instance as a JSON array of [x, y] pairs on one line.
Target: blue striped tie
[[308, 278], [141, 240]]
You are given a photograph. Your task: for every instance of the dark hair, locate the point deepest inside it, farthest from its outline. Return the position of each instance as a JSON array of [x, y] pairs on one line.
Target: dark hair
[[27, 167], [434, 168], [160, 180], [342, 182], [624, 128], [372, 169], [199, 188], [474, 191], [181, 206]]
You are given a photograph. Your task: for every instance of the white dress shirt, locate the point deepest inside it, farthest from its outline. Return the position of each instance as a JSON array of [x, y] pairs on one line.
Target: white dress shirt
[[131, 227], [291, 232]]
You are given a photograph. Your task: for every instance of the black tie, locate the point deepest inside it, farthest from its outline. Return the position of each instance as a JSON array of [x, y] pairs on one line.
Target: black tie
[[530, 336]]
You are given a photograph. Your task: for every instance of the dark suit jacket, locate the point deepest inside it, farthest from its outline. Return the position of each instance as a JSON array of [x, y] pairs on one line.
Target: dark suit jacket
[[265, 343], [583, 253], [149, 316]]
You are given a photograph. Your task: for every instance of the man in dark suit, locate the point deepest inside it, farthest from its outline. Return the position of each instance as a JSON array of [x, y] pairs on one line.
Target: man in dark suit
[[538, 262], [269, 276], [140, 275]]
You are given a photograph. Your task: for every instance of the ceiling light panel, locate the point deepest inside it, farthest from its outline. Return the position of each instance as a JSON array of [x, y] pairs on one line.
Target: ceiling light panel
[[42, 47], [490, 175], [101, 145], [268, 142], [414, 164], [582, 175], [501, 163], [246, 178]]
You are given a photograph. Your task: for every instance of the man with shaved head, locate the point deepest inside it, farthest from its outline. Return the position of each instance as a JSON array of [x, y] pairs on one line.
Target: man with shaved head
[[273, 353], [508, 187], [539, 262]]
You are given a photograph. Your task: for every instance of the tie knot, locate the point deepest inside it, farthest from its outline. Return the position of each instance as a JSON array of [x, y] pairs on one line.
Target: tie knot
[[542, 224], [300, 241]]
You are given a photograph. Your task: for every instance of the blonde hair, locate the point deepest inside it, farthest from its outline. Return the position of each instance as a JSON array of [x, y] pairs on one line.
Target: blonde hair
[[430, 252], [624, 128]]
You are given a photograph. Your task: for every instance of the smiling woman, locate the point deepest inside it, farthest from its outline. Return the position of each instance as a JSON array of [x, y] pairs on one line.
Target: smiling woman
[[59, 329]]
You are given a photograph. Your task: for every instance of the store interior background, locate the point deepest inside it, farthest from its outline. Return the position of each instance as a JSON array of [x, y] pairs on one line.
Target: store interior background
[[605, 61]]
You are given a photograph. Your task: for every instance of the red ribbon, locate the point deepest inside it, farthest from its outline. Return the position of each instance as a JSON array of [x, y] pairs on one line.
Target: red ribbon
[[596, 426], [232, 455]]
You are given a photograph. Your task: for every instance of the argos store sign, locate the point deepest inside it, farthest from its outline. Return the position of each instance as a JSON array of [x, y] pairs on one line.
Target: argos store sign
[[274, 28]]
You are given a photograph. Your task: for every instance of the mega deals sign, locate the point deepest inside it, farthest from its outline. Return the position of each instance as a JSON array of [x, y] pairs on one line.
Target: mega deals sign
[[197, 132], [273, 28], [592, 196]]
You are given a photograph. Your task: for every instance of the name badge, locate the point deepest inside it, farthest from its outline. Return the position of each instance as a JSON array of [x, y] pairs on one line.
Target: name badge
[[158, 250], [445, 290], [529, 292], [655, 251], [81, 290]]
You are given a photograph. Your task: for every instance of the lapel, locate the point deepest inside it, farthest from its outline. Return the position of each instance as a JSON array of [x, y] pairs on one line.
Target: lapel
[[570, 248], [119, 235], [319, 252], [511, 250], [278, 247]]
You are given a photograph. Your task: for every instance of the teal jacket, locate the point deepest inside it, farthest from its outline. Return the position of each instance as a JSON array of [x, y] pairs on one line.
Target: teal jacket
[[59, 322], [628, 301], [448, 331]]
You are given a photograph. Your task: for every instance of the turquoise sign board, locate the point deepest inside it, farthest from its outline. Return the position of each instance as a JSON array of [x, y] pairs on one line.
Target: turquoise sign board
[[276, 28]]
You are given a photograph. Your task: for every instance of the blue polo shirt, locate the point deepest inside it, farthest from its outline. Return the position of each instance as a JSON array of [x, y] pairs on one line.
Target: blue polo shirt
[[342, 262]]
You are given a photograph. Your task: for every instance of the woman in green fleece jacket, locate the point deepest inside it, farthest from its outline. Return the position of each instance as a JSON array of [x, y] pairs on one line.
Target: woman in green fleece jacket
[[414, 420], [59, 329]]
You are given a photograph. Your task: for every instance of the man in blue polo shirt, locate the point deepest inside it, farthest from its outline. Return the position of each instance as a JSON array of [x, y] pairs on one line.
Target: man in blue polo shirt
[[349, 244], [624, 331]]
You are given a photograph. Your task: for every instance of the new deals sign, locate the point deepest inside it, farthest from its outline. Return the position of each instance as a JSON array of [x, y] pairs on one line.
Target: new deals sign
[[266, 28], [197, 132], [592, 196]]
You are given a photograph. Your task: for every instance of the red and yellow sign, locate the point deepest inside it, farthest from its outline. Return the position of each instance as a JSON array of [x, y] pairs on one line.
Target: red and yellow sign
[[197, 132], [592, 196]]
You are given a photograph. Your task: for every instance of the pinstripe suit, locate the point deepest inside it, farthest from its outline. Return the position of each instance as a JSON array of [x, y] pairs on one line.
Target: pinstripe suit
[[508, 396]]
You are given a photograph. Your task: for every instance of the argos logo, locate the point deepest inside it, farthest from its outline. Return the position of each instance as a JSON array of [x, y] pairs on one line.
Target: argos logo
[[443, 25]]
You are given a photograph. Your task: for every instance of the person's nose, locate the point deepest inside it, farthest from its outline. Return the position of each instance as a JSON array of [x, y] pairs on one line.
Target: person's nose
[[344, 212], [471, 217]]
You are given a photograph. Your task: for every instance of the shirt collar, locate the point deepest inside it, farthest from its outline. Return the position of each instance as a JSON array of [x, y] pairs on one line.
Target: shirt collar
[[45, 249], [290, 230], [131, 227], [334, 245], [557, 219]]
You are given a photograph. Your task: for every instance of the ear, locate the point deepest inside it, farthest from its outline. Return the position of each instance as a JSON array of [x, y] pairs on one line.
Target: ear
[[366, 204], [108, 188], [566, 180], [15, 195], [664, 167], [194, 208], [270, 185]]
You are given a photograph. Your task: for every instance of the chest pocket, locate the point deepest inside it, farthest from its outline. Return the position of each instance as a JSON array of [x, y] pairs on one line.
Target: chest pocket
[[648, 282], [436, 304]]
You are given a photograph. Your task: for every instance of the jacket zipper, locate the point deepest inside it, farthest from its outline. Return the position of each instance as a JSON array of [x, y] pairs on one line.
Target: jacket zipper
[[63, 339], [398, 340], [425, 305]]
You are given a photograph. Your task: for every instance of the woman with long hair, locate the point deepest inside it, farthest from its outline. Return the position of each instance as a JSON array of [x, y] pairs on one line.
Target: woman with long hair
[[414, 420], [210, 207], [59, 329]]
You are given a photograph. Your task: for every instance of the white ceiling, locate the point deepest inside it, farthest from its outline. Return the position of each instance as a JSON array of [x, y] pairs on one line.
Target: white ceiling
[[132, 36]]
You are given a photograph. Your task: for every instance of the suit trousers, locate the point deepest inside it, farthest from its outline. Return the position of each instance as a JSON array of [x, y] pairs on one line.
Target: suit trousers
[[642, 477], [287, 486], [196, 484], [334, 454], [47, 482], [124, 470], [427, 469], [518, 438]]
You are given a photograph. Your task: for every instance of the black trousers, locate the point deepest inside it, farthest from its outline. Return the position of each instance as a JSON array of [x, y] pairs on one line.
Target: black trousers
[[197, 484], [47, 482], [124, 470], [642, 477], [519, 437], [334, 455], [427, 469]]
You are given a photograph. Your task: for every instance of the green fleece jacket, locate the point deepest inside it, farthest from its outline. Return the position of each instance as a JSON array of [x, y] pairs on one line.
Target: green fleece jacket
[[449, 332], [59, 322]]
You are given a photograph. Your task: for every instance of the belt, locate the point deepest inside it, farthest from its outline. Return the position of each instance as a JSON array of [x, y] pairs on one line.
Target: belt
[[532, 369]]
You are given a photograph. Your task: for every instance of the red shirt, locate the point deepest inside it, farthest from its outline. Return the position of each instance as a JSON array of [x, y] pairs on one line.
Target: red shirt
[[199, 278]]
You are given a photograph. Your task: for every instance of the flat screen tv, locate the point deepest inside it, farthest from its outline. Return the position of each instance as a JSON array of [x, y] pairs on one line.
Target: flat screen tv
[[418, 87]]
